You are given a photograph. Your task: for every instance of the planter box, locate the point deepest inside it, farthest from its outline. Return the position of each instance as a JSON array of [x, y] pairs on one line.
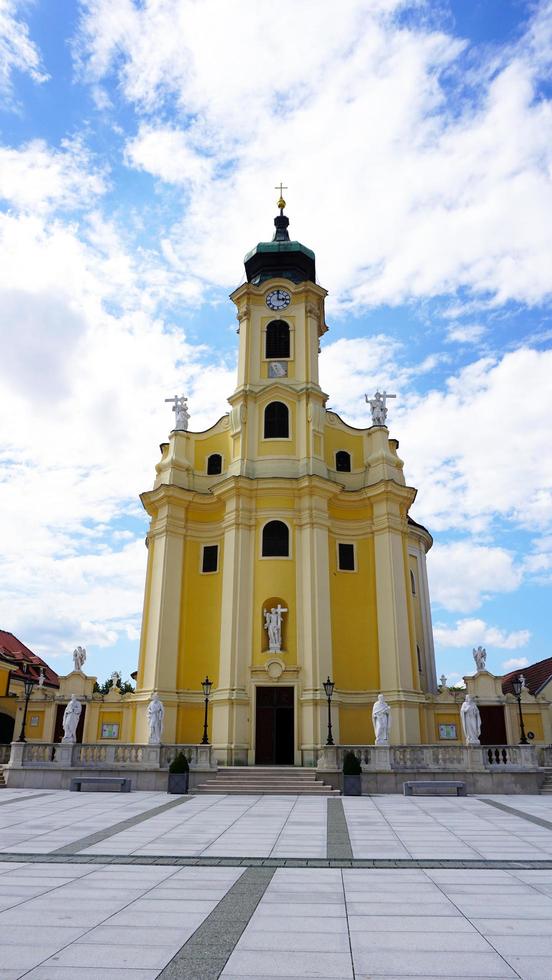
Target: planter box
[[178, 782], [352, 785]]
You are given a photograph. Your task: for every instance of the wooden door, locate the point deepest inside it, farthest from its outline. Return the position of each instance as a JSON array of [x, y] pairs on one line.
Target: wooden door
[[274, 734], [493, 724]]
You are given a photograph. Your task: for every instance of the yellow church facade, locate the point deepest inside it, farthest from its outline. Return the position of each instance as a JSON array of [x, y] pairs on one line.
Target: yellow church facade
[[281, 552]]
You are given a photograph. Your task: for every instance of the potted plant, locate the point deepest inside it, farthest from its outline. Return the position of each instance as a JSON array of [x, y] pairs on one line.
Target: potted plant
[[352, 775], [179, 774]]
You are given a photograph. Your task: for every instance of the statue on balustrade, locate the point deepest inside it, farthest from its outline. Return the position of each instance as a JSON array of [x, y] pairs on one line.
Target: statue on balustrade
[[381, 720], [471, 721], [156, 714], [71, 717]]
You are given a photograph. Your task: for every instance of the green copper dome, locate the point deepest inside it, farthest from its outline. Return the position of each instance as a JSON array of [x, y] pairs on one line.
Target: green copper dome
[[280, 258]]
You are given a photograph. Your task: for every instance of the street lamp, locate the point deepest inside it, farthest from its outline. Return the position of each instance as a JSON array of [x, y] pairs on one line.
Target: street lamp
[[517, 684], [328, 687], [28, 684], [206, 685]]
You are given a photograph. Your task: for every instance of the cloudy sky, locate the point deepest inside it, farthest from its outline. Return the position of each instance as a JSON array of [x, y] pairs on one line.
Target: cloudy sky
[[140, 144]]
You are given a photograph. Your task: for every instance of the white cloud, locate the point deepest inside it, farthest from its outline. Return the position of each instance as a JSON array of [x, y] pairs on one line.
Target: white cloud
[[514, 662], [463, 574], [38, 178], [471, 632], [466, 333], [17, 51], [474, 449], [448, 189], [86, 365]]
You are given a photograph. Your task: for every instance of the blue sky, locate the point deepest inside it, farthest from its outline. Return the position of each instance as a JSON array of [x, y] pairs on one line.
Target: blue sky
[[140, 143]]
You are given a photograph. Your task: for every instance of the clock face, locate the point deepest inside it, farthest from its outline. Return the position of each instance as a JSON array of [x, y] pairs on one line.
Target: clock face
[[278, 299]]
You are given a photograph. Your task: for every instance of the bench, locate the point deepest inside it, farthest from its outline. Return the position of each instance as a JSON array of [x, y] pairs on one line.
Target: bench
[[122, 782], [412, 784]]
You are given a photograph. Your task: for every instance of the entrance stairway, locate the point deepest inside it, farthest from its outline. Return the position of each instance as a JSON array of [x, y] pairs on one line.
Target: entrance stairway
[[546, 787], [273, 780]]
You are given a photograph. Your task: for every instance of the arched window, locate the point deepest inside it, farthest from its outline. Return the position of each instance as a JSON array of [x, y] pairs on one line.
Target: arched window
[[412, 582], [275, 540], [214, 464], [343, 461], [277, 339], [276, 421]]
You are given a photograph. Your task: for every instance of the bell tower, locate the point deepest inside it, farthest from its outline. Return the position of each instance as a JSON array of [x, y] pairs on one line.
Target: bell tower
[[278, 405]]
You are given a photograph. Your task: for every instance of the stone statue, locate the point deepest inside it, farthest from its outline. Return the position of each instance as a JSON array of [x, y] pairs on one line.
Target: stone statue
[[471, 721], [443, 679], [71, 717], [41, 677], [381, 720], [115, 678], [79, 657], [480, 657], [378, 407], [273, 626], [181, 413], [156, 714]]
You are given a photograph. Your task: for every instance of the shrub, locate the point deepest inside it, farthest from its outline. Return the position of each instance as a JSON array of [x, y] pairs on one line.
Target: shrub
[[351, 765], [179, 764]]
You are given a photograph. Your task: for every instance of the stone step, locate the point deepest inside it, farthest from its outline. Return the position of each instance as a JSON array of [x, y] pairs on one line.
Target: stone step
[[234, 789]]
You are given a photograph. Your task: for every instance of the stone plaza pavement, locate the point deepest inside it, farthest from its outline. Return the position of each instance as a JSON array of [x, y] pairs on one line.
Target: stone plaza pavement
[[144, 885]]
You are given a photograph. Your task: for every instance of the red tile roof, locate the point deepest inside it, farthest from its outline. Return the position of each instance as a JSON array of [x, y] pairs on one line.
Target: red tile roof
[[13, 651], [536, 676]]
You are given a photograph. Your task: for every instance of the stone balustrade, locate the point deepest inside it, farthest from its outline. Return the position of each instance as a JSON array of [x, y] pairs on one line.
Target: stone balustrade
[[446, 758], [4, 754], [74, 755]]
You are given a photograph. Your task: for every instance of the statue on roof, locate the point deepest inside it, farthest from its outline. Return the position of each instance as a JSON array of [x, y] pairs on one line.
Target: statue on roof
[[378, 406], [480, 657], [79, 657], [181, 413]]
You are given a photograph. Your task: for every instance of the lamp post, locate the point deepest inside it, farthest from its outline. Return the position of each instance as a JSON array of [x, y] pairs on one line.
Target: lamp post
[[206, 685], [517, 684], [28, 684], [328, 687]]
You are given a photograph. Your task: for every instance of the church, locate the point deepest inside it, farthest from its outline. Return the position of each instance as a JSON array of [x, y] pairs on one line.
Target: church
[[281, 552]]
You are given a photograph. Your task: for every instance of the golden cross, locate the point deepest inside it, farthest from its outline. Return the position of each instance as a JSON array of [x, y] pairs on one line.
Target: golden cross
[[281, 203]]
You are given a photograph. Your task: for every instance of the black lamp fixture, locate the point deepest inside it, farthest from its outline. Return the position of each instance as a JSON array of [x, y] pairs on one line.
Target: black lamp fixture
[[328, 687], [206, 685], [517, 684], [28, 684]]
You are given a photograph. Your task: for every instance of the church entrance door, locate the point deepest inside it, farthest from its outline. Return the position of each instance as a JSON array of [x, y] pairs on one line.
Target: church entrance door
[[274, 726]]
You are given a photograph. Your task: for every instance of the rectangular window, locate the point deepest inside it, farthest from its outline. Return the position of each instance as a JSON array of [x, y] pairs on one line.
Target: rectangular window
[[210, 558], [346, 557]]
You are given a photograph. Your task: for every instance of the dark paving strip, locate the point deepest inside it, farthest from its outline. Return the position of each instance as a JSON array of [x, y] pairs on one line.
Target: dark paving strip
[[21, 799], [518, 813], [55, 857], [116, 828], [338, 842], [206, 953]]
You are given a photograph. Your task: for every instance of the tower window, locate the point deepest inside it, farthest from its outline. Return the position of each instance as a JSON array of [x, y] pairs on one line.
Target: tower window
[[343, 461], [276, 421], [346, 557], [419, 656], [412, 582], [214, 464], [277, 339], [275, 540], [209, 561]]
